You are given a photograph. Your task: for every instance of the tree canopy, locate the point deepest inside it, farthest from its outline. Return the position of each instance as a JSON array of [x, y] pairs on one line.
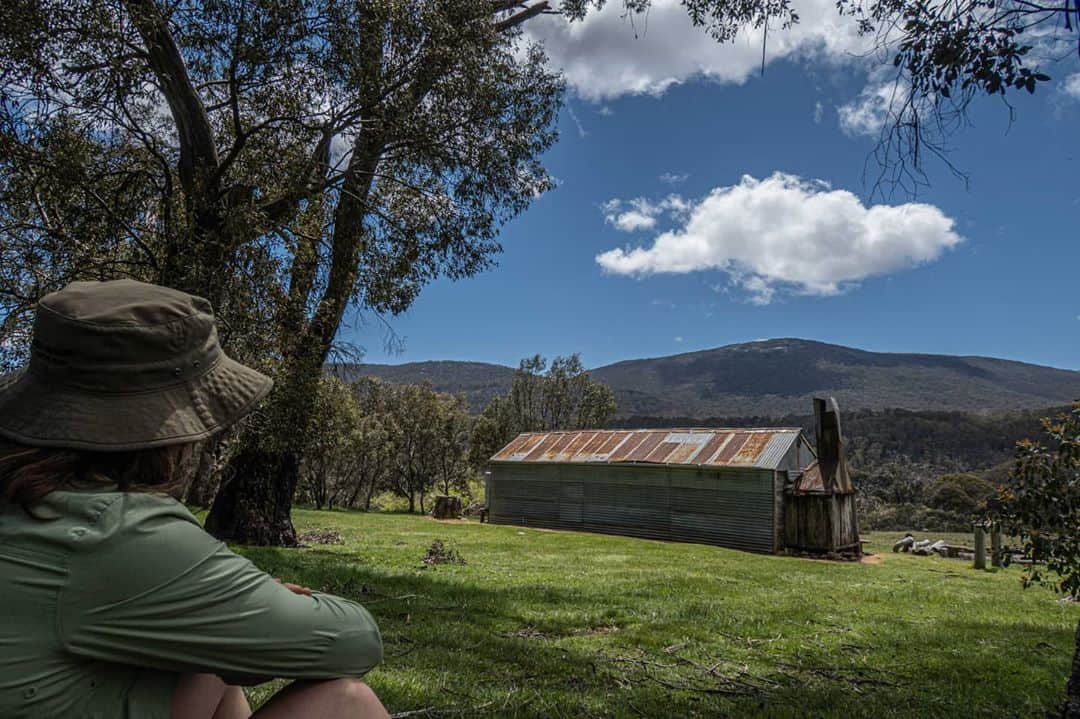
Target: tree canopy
[[542, 397], [1040, 505], [284, 159]]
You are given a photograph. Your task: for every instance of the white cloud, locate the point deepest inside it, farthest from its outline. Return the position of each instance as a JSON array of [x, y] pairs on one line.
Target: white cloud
[[605, 111], [787, 234], [819, 112], [641, 213], [876, 104], [1071, 86], [609, 54], [673, 178], [634, 220], [678, 339]]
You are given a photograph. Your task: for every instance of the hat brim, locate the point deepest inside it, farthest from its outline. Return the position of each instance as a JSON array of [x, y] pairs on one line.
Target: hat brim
[[38, 413]]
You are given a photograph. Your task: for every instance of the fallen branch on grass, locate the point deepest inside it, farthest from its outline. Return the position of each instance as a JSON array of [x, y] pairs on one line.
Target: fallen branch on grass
[[434, 712]]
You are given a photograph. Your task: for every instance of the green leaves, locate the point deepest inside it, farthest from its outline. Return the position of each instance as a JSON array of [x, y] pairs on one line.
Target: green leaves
[[1041, 503], [542, 398]]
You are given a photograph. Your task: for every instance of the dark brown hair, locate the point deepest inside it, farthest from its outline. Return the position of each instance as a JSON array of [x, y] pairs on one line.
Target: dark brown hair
[[29, 473]]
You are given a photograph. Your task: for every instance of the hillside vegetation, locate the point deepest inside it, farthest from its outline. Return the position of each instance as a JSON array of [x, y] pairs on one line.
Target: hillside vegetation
[[778, 377], [561, 624]]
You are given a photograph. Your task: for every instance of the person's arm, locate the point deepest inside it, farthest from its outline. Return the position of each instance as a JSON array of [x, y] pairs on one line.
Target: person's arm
[[162, 593]]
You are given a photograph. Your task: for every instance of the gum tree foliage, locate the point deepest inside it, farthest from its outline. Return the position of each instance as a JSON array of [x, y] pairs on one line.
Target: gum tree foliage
[[286, 159], [426, 431], [372, 451], [369, 437], [1041, 506], [332, 443], [452, 470], [542, 398], [960, 493]]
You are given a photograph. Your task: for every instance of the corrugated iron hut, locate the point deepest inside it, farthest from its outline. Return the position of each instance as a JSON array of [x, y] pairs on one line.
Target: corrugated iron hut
[[764, 490]]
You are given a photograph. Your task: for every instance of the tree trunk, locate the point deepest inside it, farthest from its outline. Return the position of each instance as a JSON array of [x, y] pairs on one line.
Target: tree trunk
[[203, 486], [369, 495], [412, 502], [1072, 692], [253, 506], [422, 511], [254, 503]]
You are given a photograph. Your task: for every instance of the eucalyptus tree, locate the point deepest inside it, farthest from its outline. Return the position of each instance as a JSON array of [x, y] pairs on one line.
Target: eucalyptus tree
[[452, 444], [371, 449], [542, 397], [1040, 505], [283, 158], [413, 413], [332, 438]]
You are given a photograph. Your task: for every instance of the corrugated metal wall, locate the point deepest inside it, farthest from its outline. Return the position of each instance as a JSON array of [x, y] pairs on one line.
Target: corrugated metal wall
[[729, 507]]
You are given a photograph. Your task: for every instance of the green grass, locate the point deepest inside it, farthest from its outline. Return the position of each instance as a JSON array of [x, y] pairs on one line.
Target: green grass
[[562, 624]]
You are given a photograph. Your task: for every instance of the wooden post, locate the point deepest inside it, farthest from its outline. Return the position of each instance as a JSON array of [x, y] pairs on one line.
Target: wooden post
[[995, 544], [980, 547]]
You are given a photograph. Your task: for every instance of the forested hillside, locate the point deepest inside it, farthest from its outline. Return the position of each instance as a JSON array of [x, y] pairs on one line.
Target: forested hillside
[[775, 378]]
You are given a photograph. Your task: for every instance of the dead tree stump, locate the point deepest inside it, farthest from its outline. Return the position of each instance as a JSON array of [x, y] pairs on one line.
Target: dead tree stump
[[447, 507]]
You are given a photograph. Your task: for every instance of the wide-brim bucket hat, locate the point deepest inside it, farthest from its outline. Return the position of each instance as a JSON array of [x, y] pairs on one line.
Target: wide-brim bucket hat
[[124, 365]]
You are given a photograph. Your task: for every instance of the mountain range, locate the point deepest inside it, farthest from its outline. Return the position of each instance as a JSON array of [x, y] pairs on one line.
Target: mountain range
[[775, 377]]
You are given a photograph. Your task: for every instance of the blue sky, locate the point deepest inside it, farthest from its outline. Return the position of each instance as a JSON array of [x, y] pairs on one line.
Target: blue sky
[[653, 153]]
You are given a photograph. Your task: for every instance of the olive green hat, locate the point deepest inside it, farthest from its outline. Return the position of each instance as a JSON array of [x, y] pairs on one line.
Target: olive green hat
[[124, 365]]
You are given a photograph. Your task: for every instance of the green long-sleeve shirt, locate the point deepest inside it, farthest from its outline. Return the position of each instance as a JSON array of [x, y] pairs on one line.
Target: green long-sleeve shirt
[[106, 596]]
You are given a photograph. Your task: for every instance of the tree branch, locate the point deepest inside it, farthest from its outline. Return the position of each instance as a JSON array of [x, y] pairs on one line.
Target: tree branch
[[198, 151], [520, 17]]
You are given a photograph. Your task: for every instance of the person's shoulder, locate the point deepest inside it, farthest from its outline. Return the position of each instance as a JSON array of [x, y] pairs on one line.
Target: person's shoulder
[[139, 540], [144, 514], [80, 520]]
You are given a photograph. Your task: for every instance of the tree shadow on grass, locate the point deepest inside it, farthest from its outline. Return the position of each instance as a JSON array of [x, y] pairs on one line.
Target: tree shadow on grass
[[464, 648]]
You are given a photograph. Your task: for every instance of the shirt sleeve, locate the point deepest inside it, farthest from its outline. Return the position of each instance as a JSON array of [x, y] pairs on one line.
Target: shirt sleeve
[[160, 592]]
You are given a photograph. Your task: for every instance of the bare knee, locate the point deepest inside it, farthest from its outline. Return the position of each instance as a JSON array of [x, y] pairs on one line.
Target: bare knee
[[356, 694], [197, 696], [354, 690], [315, 699]]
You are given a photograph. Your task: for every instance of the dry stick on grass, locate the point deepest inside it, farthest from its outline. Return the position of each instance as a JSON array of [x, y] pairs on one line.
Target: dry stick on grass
[[750, 642], [711, 671], [733, 687], [387, 599], [433, 712]]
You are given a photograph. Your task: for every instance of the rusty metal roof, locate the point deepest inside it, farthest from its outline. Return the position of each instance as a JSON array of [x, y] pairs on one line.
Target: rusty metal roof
[[764, 448]]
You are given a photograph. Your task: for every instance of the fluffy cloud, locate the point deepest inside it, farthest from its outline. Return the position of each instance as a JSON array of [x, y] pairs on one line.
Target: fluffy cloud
[[641, 213], [785, 233], [609, 54], [868, 113]]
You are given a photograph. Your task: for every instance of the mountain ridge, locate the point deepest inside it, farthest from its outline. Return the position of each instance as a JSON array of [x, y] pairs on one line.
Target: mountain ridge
[[776, 377]]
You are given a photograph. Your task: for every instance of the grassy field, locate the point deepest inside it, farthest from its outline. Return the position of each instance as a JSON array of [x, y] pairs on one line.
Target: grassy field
[[560, 624]]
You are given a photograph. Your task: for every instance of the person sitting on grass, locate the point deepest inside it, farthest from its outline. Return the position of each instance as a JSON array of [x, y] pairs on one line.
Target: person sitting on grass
[[113, 600]]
